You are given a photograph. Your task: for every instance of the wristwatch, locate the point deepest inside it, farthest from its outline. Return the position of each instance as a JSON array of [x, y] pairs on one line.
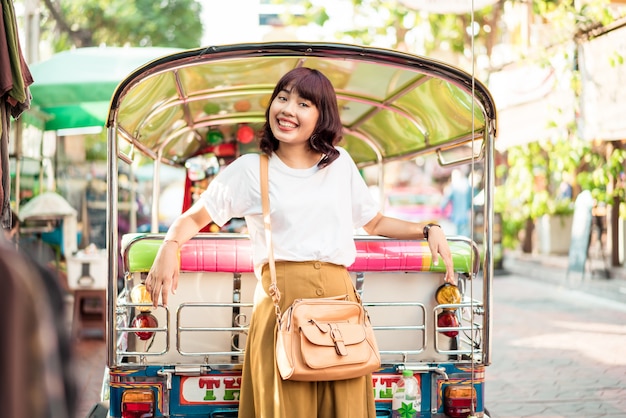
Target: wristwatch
[[427, 229]]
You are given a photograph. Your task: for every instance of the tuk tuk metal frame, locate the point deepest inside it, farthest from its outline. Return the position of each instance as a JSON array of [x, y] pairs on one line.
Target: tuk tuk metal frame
[[158, 107]]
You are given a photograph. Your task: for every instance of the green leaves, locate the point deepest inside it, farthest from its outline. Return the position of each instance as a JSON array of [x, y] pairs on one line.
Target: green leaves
[[82, 23]]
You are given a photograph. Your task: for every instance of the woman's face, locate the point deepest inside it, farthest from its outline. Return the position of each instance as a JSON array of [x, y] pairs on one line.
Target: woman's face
[[292, 118]]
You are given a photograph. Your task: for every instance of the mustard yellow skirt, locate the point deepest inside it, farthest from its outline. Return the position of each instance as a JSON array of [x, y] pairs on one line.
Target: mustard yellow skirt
[[263, 392]]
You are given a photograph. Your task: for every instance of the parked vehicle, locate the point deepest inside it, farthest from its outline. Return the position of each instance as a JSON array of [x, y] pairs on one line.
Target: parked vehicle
[[198, 107]]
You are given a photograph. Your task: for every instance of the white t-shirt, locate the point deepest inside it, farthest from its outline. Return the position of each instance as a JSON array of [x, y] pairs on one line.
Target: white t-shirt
[[313, 211]]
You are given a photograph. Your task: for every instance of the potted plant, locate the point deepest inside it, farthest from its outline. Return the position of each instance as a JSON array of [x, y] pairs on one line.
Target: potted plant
[[555, 226]]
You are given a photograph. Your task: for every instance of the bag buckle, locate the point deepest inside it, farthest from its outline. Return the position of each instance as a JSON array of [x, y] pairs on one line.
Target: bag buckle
[[335, 334]]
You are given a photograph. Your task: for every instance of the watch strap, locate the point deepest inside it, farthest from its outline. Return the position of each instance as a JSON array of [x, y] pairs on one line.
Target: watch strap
[[427, 229]]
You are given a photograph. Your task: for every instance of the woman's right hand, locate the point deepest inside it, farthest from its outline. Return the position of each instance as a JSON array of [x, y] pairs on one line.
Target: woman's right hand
[[163, 275]]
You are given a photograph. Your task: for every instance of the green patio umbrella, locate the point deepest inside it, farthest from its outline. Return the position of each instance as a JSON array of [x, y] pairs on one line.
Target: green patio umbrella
[[73, 88]]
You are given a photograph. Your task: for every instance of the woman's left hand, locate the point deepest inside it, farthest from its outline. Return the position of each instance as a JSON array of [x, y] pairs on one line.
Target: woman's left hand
[[400, 229], [438, 244]]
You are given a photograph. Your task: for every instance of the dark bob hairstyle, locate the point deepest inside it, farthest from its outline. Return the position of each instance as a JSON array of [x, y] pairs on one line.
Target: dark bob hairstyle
[[311, 85]]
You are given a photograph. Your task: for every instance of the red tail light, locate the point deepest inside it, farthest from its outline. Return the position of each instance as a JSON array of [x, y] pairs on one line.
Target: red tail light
[[138, 403], [144, 320], [448, 319], [457, 400]]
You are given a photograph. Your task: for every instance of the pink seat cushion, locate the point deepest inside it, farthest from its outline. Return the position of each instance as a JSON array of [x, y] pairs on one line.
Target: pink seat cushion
[[235, 255]]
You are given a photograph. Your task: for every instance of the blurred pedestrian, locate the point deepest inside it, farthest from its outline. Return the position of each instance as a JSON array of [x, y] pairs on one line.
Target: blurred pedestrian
[[459, 196], [566, 190], [35, 354]]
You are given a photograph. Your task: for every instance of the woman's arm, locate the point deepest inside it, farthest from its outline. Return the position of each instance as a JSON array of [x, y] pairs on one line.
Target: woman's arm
[[163, 275], [386, 226]]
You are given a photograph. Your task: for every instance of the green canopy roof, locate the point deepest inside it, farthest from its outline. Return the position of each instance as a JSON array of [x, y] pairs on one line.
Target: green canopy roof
[[393, 105], [73, 88]]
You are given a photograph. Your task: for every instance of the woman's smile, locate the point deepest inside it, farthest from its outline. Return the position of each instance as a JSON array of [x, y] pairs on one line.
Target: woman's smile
[[283, 123]]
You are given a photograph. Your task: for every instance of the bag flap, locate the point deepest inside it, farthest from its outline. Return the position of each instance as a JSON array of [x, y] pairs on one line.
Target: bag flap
[[320, 333]]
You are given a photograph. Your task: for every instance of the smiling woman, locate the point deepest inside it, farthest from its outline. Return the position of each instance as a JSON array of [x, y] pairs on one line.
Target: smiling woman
[[308, 174]]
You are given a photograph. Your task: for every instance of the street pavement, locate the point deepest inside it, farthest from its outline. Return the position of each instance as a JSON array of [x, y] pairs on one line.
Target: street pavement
[[559, 342], [598, 279]]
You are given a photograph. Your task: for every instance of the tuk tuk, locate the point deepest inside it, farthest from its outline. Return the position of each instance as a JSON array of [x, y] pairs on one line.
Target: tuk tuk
[[199, 110]]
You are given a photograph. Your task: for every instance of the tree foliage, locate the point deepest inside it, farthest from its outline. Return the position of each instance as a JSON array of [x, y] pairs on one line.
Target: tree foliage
[[389, 23], [450, 32], [82, 23]]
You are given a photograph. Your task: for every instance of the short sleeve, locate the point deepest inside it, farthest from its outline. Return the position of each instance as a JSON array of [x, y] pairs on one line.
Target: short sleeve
[[235, 191], [364, 206]]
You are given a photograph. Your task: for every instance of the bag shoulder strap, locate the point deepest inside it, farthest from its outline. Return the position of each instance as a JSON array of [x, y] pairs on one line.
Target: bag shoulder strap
[[265, 202]]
